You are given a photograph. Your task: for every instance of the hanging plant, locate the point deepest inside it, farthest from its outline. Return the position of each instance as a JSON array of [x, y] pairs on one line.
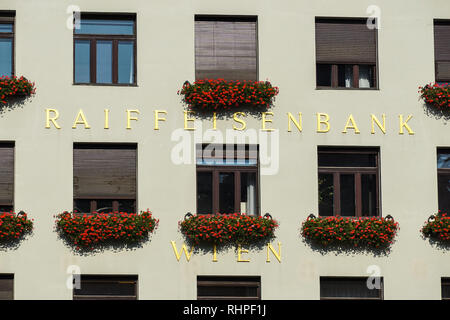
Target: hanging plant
[[436, 95], [216, 95], [437, 228], [13, 87], [227, 228], [368, 233], [99, 229], [14, 226]]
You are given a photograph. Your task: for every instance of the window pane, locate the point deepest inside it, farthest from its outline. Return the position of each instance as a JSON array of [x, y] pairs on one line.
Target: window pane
[[347, 195], [82, 61], [248, 193], [326, 194], [365, 76], [345, 75], [104, 206], [93, 26], [444, 192], [445, 285], [226, 192], [204, 193], [6, 27], [5, 57], [347, 160], [443, 161], [127, 206], [6, 208], [323, 75], [126, 62], [104, 61], [347, 288], [369, 194], [104, 286], [82, 206]]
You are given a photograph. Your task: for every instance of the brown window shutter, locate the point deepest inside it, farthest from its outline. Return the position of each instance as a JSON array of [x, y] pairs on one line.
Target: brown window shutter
[[6, 287], [6, 174], [104, 172], [442, 50], [225, 49], [345, 41]]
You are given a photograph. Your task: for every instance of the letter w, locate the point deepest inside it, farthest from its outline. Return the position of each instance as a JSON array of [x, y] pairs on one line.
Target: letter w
[[183, 249]]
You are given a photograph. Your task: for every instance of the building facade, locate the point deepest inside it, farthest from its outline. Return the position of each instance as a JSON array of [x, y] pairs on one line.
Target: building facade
[[348, 116]]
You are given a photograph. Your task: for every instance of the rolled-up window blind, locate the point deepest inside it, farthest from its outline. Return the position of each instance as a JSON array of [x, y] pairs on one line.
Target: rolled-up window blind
[[225, 48], [442, 50], [6, 174], [104, 171], [345, 41]]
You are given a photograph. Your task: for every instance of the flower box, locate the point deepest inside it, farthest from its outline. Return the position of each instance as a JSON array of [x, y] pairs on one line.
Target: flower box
[[219, 95], [436, 95], [99, 229], [366, 233], [14, 226], [227, 229], [13, 87], [437, 228]]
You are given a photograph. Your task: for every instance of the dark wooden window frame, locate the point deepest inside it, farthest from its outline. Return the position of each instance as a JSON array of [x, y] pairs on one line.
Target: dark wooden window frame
[[357, 171], [229, 281], [9, 144], [335, 64], [105, 279], [442, 171], [237, 170], [381, 297], [439, 22], [234, 18], [9, 17], [115, 199], [93, 38]]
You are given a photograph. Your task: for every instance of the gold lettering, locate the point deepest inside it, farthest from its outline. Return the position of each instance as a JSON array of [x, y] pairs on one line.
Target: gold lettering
[[186, 120], [277, 255], [183, 249], [240, 251], [264, 120], [80, 121], [352, 126], [405, 124], [106, 118], [157, 118], [129, 117], [214, 121], [235, 118], [320, 121], [292, 119], [375, 120], [51, 119], [214, 253]]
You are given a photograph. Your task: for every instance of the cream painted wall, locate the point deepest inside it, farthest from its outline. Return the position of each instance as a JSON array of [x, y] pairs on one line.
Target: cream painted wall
[[165, 58]]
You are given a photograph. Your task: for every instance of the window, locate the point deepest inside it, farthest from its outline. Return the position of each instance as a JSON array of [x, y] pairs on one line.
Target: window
[[348, 182], [443, 164], [6, 287], [105, 49], [6, 177], [104, 178], [442, 51], [346, 54], [227, 179], [228, 288], [6, 44], [445, 288], [335, 288], [94, 287], [226, 48]]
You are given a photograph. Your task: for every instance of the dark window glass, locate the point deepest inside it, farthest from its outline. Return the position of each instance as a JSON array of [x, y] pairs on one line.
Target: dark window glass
[[444, 192], [348, 182], [326, 194], [106, 287], [6, 287], [443, 160], [105, 50], [82, 206], [324, 75], [204, 193], [216, 288], [227, 179], [348, 288], [445, 288]]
